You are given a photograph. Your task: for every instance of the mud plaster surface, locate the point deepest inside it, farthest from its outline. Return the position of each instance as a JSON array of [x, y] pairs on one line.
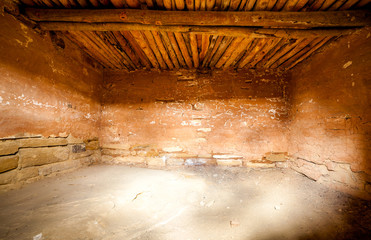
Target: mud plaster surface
[[119, 202]]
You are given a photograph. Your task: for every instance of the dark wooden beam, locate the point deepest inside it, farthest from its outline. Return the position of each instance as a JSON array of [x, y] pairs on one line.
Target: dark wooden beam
[[319, 19], [220, 31]]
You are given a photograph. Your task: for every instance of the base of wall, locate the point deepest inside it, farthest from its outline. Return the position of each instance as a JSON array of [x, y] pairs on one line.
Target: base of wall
[[28, 158]]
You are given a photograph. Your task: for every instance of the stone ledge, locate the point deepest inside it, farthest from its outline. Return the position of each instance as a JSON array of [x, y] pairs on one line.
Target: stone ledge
[[29, 157], [8, 163]]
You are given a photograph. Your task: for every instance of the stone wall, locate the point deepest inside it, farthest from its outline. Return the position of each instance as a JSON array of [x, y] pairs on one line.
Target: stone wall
[[30, 158], [50, 88], [331, 119], [194, 118]]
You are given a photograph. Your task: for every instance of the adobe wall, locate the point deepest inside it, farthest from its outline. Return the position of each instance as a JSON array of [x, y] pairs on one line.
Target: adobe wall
[[49, 102], [330, 130], [194, 118]]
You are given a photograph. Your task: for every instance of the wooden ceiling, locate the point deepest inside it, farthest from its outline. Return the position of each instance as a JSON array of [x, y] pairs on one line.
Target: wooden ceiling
[[250, 34]]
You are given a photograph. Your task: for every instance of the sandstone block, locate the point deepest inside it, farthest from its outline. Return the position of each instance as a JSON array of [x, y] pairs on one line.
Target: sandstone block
[[58, 167], [229, 162], [42, 142], [41, 156], [259, 164], [116, 146], [8, 147], [276, 157], [27, 173], [309, 169], [92, 145], [8, 177], [115, 152], [81, 154], [227, 156], [155, 162], [8, 163]]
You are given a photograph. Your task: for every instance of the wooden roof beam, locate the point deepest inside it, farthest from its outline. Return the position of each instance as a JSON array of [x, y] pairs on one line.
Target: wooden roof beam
[[317, 19]]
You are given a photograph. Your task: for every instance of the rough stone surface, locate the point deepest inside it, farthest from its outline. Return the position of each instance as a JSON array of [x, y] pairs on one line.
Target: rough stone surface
[[8, 163], [276, 157], [8, 147], [42, 142], [8, 177], [92, 145], [40, 156], [155, 162], [229, 162]]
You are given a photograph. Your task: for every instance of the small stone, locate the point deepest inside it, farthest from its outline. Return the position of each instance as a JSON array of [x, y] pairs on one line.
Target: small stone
[[8, 163], [347, 64]]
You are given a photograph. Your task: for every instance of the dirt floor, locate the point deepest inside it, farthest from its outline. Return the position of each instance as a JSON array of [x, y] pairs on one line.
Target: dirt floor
[[118, 202]]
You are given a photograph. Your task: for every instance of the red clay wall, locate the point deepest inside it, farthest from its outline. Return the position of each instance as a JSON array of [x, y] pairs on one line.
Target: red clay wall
[[44, 89], [331, 118], [49, 105], [194, 118]]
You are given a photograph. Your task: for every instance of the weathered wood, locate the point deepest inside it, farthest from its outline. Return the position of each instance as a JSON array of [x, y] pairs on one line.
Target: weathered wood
[[242, 5], [183, 49], [326, 4], [196, 61], [228, 52], [179, 4], [117, 3], [152, 44], [221, 31], [271, 43], [167, 4], [290, 5], [170, 49], [110, 39], [176, 48], [208, 18], [271, 4], [300, 4], [190, 5], [126, 48], [133, 43], [208, 55], [219, 52], [233, 6], [307, 54], [252, 53], [304, 43], [337, 5], [261, 5], [348, 4], [279, 5], [162, 50], [316, 5], [146, 49], [285, 49], [240, 48], [204, 46]]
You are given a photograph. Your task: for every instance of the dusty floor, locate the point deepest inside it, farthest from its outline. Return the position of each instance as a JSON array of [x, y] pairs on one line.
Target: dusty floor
[[118, 202]]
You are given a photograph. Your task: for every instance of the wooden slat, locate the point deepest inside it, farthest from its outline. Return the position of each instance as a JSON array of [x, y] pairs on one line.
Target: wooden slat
[[197, 4], [349, 4], [170, 49], [316, 5], [327, 4], [162, 50], [87, 47], [337, 4], [111, 40], [272, 52], [150, 4], [210, 50], [250, 5], [133, 3], [303, 51], [251, 54], [281, 53], [152, 44], [242, 5], [190, 5], [118, 3], [176, 48], [219, 52], [109, 49], [196, 60], [210, 4], [300, 5], [208, 18], [95, 3], [240, 48], [292, 52], [271, 4], [218, 5], [204, 46], [363, 3], [271, 43], [279, 5], [126, 47], [290, 5], [146, 49], [261, 5], [180, 5], [183, 49], [228, 52], [203, 5], [137, 49], [233, 6], [310, 52]]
